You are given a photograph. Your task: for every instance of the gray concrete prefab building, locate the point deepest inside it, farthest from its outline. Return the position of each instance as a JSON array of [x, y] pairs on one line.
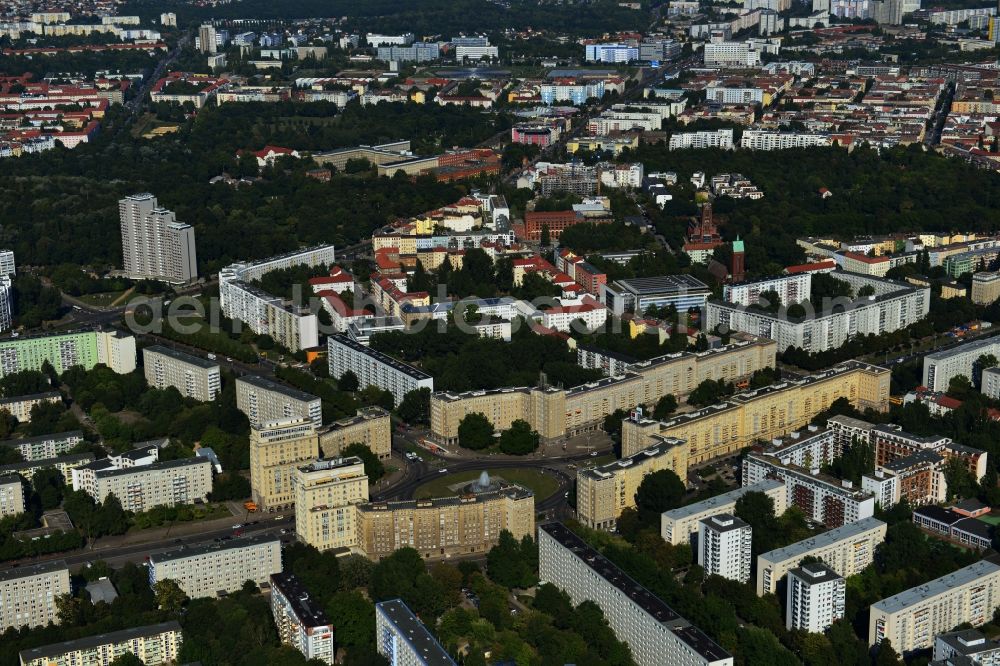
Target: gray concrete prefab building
[[205, 571], [193, 376]]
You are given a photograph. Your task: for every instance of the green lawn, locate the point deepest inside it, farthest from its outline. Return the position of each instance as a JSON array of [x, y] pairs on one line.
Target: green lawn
[[543, 485], [991, 518], [101, 300]]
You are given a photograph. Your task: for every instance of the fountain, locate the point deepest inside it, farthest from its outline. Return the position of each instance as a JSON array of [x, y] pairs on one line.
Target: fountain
[[483, 484]]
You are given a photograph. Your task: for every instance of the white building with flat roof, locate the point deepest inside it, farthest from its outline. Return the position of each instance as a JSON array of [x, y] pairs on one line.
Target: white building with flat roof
[[678, 525], [404, 640], [155, 246], [943, 366], [28, 594], [265, 401], [815, 598], [205, 571], [724, 547], [301, 621], [654, 632], [11, 495], [373, 368], [193, 376]]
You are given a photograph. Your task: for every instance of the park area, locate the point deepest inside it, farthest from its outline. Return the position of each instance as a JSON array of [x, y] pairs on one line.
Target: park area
[[541, 484]]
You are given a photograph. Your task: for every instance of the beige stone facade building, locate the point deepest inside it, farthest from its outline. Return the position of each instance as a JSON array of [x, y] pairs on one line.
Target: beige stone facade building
[[327, 493], [276, 449], [371, 427], [446, 526], [602, 493], [557, 413]]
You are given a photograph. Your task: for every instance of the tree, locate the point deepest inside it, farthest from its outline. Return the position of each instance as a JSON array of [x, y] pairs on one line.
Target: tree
[[546, 236], [960, 481], [659, 492], [519, 439], [48, 484], [354, 617], [127, 659], [757, 509], [415, 407], [665, 406], [348, 382], [512, 563], [866, 291], [475, 432], [887, 655], [960, 387], [169, 596], [613, 422], [373, 466]]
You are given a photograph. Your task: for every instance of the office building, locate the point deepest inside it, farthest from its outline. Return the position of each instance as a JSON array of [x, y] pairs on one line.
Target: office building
[[141, 481], [276, 449], [193, 376], [155, 246], [985, 288], [65, 464], [20, 406], [612, 53], [11, 495], [724, 547], [152, 645], [65, 350], [847, 550], [968, 647], [894, 306], [301, 622], [374, 368], [205, 571], [326, 494], [291, 326], [654, 632], [558, 413], [404, 640], [941, 367], [637, 294], [604, 492], [265, 401], [822, 498], [206, 39], [911, 619], [447, 526], [722, 138], [44, 446], [815, 598], [28, 594], [372, 427]]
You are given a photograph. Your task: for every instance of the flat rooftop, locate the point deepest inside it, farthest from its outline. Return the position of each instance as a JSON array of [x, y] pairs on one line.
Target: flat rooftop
[[938, 586], [190, 359], [415, 633], [185, 552], [49, 462], [638, 458], [154, 467], [275, 387], [663, 284], [33, 396], [307, 611], [639, 595], [33, 570], [721, 500], [55, 649], [800, 549], [54, 437], [815, 573], [379, 357], [512, 491]]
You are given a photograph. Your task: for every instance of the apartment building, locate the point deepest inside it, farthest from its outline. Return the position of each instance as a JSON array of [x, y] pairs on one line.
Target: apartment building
[[771, 140], [7, 264], [20, 406], [822, 498], [141, 487], [301, 622], [985, 288], [11, 495], [371, 426], [678, 526], [291, 326], [153, 645], [65, 464], [44, 446], [942, 366], [374, 368], [404, 640], [766, 413], [895, 306], [6, 302], [815, 598], [912, 619], [724, 547], [65, 350], [446, 526], [654, 632], [846, 550], [604, 492], [739, 55], [265, 401], [155, 246], [969, 644], [558, 413], [722, 138], [789, 288], [892, 444], [205, 571], [637, 294], [28, 594], [193, 376], [327, 493], [277, 448]]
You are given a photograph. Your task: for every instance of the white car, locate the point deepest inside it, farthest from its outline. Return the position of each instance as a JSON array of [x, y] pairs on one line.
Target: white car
[[443, 470]]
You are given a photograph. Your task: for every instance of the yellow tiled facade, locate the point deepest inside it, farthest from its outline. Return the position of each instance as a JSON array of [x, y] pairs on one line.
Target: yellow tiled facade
[[327, 494], [371, 427], [275, 451]]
